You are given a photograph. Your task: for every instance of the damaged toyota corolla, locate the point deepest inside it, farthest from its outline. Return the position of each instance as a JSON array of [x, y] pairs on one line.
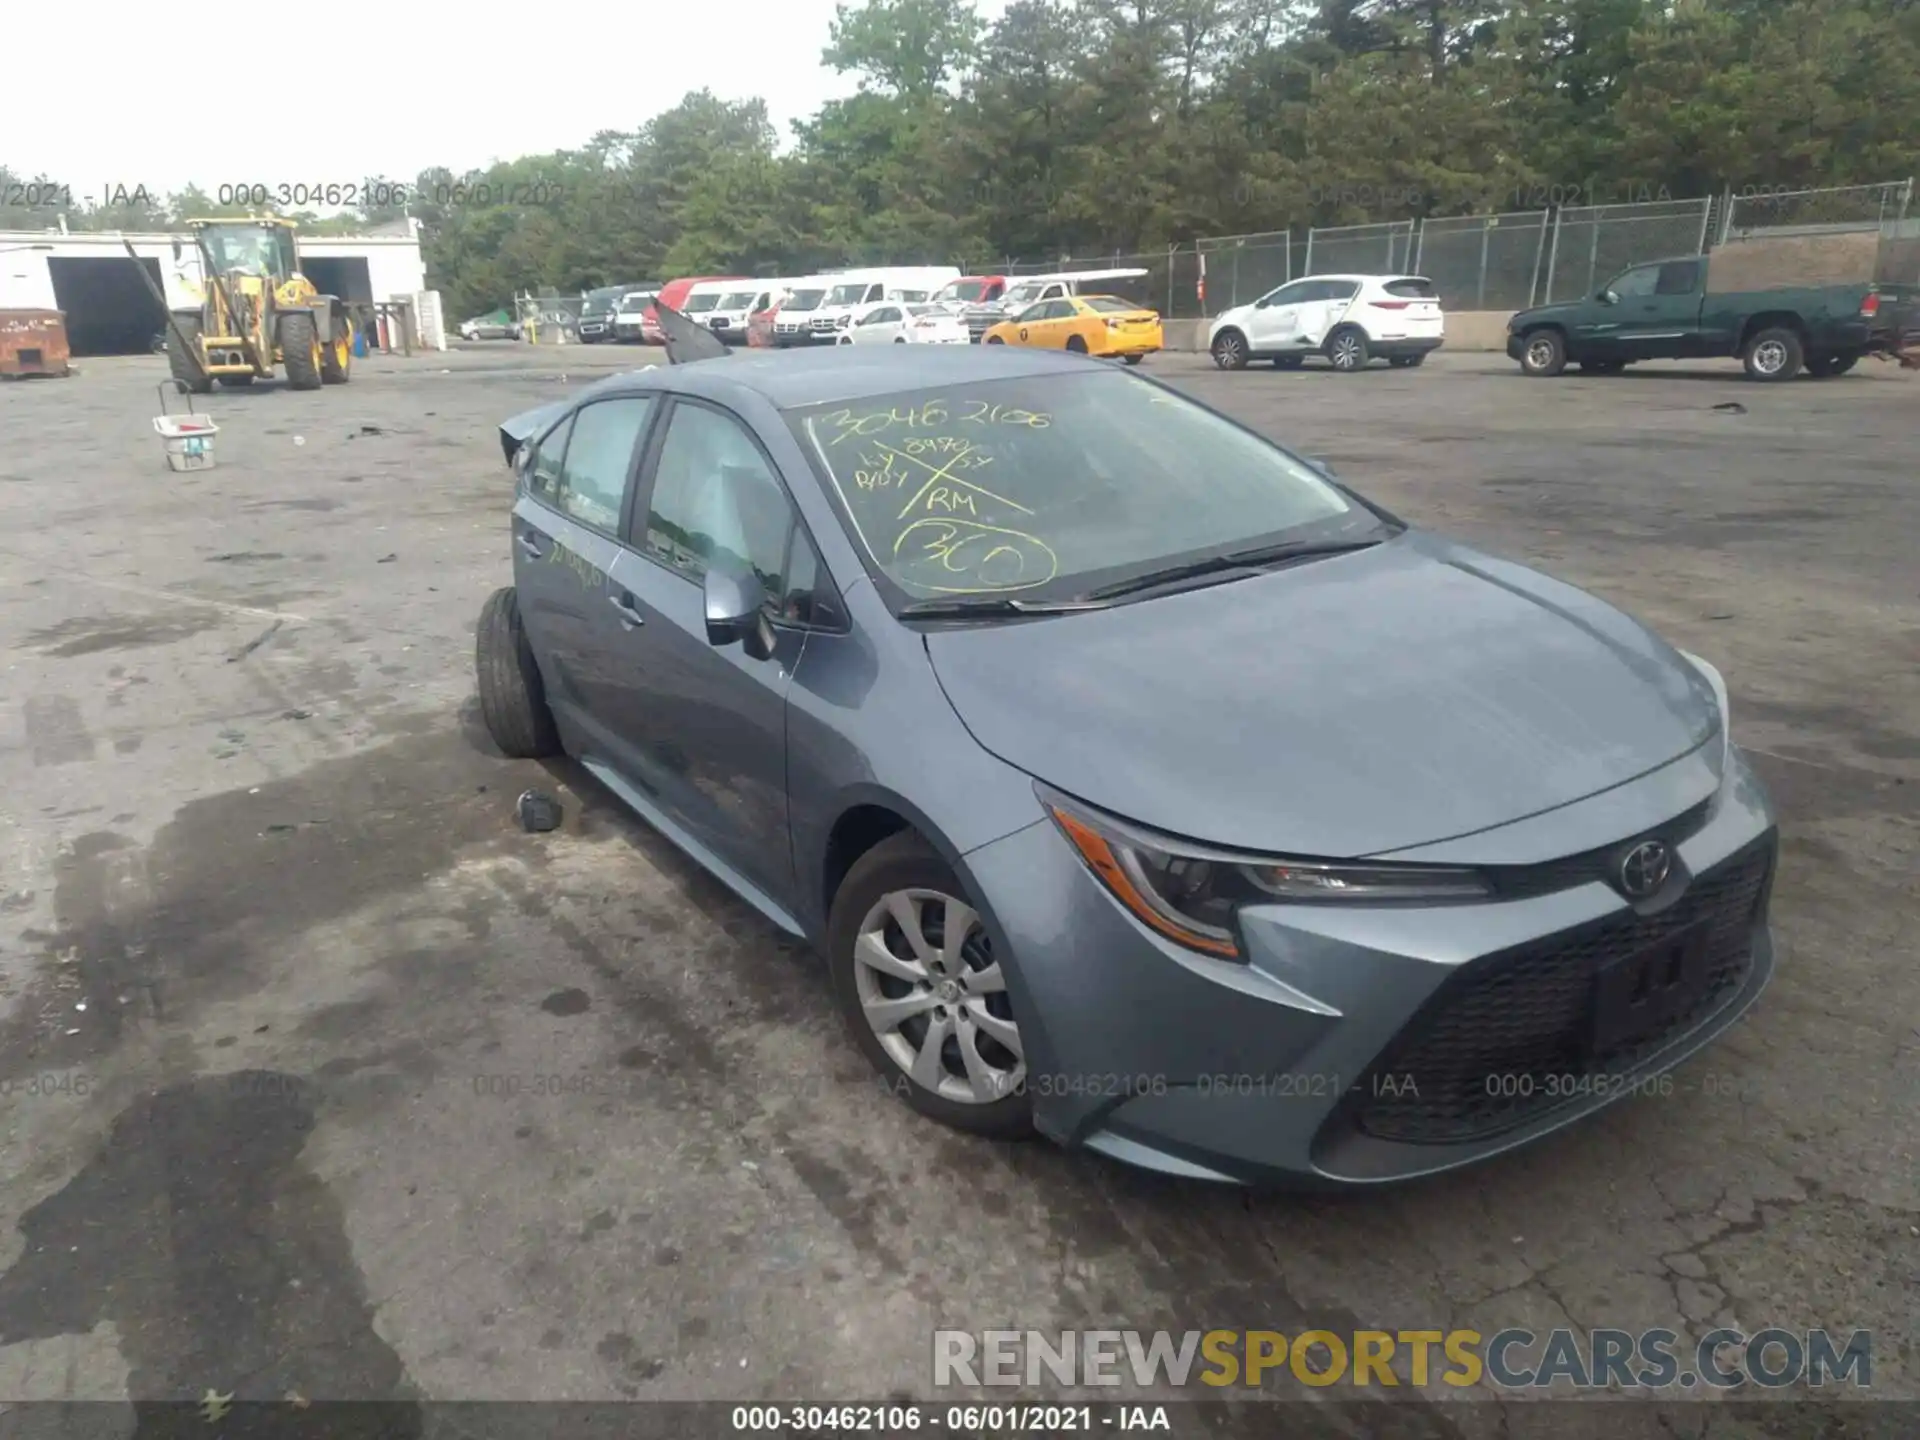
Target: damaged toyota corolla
[[1141, 783]]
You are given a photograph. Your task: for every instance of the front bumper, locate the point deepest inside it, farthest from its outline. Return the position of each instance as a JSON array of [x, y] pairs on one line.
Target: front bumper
[[593, 330], [1359, 1045], [1516, 346]]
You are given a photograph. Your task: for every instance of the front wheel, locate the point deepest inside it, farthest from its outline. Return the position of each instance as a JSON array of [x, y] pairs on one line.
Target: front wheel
[[1132, 359], [995, 340], [918, 983], [1230, 350], [300, 350], [336, 356], [1543, 354], [1773, 355], [1347, 350], [184, 364], [1076, 345]]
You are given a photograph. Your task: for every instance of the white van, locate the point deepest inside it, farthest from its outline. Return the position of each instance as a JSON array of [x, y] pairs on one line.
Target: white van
[[794, 324], [856, 288], [739, 299], [703, 297]]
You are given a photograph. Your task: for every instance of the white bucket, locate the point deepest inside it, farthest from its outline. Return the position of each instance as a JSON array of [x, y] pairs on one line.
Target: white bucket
[[188, 438]]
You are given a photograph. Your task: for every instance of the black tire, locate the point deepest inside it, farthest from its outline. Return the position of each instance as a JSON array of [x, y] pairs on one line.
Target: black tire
[[185, 368], [906, 862], [1773, 355], [995, 340], [235, 382], [1821, 367], [1843, 363], [1346, 349], [1076, 345], [1230, 350], [1406, 362], [1543, 354], [513, 699], [1132, 359], [336, 356], [300, 350], [899, 339], [1288, 362]]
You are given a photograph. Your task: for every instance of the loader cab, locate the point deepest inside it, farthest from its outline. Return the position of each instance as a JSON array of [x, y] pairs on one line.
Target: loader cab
[[253, 247]]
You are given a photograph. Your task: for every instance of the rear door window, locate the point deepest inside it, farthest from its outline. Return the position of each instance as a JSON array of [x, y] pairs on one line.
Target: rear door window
[[543, 473], [592, 484]]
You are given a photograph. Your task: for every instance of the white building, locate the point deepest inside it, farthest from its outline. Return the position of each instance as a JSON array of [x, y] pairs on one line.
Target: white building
[[109, 311]]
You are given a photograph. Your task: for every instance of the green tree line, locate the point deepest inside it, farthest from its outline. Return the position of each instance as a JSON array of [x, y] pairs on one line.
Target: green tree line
[[1086, 127]]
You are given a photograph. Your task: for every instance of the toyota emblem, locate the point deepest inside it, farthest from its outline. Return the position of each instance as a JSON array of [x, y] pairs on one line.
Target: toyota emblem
[[1644, 868]]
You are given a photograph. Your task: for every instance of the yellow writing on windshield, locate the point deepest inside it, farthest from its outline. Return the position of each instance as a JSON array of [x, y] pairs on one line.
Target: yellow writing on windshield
[[946, 473], [928, 415], [966, 557]]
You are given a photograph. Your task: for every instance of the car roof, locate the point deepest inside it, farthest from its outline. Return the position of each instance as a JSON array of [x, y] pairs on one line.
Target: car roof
[[791, 380]]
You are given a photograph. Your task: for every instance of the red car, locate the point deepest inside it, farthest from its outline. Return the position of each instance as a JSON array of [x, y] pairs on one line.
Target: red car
[[674, 296]]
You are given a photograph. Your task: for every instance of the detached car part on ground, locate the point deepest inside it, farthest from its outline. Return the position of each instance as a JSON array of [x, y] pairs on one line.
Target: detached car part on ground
[[1141, 783], [1350, 320], [1668, 311]]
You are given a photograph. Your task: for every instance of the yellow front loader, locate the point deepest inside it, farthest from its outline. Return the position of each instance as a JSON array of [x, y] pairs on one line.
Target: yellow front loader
[[257, 311]]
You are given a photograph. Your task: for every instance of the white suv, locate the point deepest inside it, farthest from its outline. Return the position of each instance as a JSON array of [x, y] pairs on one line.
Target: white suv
[[1350, 319]]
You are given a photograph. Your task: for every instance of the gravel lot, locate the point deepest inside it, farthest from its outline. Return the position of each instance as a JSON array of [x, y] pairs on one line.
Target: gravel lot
[[299, 982]]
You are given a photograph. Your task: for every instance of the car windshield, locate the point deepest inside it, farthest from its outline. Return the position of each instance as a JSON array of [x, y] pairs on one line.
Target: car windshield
[[1051, 485], [847, 294], [803, 300], [1108, 304], [634, 304], [696, 304], [963, 292], [1021, 295], [737, 300]]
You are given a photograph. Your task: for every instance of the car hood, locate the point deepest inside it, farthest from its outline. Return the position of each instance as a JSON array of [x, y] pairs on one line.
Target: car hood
[[1524, 318], [1348, 706]]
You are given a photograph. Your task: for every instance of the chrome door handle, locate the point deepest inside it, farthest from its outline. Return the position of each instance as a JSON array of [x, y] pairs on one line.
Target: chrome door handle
[[629, 616], [530, 546]]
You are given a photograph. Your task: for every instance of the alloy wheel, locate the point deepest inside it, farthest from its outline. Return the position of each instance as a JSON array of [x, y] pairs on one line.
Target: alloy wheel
[[1770, 358], [1540, 354], [1346, 353], [935, 997]]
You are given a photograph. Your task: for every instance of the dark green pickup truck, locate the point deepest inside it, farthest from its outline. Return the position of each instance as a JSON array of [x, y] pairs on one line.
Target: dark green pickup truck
[[1667, 311]]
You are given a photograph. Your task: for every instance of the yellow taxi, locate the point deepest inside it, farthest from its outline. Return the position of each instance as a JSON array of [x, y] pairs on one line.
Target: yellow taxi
[[1090, 324]]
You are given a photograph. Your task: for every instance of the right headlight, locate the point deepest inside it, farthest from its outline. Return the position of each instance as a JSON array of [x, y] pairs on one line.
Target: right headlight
[[1718, 682], [1191, 894]]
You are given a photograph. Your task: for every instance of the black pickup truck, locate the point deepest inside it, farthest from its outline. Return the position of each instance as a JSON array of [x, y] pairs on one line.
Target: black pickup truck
[[1668, 311]]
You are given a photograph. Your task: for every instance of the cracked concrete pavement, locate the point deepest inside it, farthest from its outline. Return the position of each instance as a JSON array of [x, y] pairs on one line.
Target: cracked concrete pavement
[[320, 1075]]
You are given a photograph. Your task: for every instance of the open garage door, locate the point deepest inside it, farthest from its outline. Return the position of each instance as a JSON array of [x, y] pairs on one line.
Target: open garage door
[[109, 312], [345, 276]]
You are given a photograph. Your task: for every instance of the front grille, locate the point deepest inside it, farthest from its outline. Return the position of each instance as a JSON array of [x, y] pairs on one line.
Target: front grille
[[1506, 1039]]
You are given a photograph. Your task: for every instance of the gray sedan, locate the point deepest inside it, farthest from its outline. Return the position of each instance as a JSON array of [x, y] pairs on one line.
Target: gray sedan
[[1141, 784]]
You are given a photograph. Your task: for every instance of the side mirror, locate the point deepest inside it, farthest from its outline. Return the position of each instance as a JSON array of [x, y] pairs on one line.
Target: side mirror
[[1320, 464], [1609, 297], [735, 604]]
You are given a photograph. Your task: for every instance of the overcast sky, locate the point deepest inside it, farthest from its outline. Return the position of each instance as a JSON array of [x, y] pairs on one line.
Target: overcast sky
[[112, 86]]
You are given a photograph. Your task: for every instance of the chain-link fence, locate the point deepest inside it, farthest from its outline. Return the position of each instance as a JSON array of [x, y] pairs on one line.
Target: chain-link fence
[[1238, 269], [1360, 249], [1484, 262], [549, 319], [1850, 207], [1591, 243]]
